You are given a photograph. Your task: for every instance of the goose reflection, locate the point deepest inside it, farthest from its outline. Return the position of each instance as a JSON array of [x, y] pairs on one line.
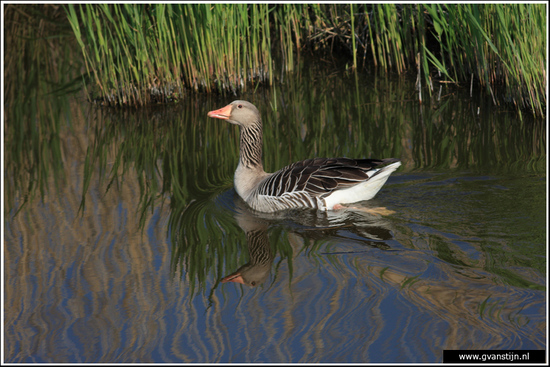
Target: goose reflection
[[261, 256], [371, 228]]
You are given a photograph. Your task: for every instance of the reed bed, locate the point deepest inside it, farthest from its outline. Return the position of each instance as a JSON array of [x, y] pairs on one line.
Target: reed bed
[[503, 46], [139, 54]]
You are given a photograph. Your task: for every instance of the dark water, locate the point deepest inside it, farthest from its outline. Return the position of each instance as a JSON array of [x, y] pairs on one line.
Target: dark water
[[121, 224]]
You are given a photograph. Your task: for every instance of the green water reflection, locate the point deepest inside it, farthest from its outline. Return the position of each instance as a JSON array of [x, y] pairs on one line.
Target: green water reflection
[[121, 224]]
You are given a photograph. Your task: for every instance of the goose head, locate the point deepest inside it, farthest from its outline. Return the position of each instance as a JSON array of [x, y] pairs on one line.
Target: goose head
[[250, 274], [240, 113]]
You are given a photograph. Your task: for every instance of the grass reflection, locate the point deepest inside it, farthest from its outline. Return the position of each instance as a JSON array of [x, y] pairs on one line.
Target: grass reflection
[[179, 153], [38, 81], [215, 236]]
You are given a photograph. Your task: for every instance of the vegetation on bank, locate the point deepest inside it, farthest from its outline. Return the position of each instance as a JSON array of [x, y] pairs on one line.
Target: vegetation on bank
[[138, 54]]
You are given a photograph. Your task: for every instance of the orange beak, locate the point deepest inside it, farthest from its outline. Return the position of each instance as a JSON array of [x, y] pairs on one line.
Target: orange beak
[[223, 113], [236, 278]]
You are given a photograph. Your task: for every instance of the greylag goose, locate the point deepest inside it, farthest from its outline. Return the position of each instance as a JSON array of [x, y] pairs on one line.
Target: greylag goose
[[319, 183]]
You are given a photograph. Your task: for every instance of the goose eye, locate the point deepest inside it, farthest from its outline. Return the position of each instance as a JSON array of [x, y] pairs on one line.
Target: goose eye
[[240, 106]]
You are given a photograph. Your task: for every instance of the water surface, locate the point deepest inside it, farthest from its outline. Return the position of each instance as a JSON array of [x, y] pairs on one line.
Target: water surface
[[121, 224]]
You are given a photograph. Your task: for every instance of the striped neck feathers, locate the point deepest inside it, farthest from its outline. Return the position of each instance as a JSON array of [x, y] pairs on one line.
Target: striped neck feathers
[[251, 146]]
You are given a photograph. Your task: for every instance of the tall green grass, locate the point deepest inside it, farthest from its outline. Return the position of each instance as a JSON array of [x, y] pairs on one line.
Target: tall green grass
[[140, 54], [502, 45]]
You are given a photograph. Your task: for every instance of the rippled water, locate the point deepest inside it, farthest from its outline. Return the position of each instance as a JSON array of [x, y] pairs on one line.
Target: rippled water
[[117, 252]]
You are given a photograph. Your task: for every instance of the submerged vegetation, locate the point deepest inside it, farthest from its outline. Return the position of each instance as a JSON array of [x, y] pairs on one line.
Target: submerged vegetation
[[140, 54]]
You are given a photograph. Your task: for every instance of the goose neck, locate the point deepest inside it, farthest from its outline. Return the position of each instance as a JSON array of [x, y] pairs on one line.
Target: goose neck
[[251, 146]]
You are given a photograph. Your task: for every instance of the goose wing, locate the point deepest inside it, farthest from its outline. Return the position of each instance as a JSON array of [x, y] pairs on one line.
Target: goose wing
[[321, 176]]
